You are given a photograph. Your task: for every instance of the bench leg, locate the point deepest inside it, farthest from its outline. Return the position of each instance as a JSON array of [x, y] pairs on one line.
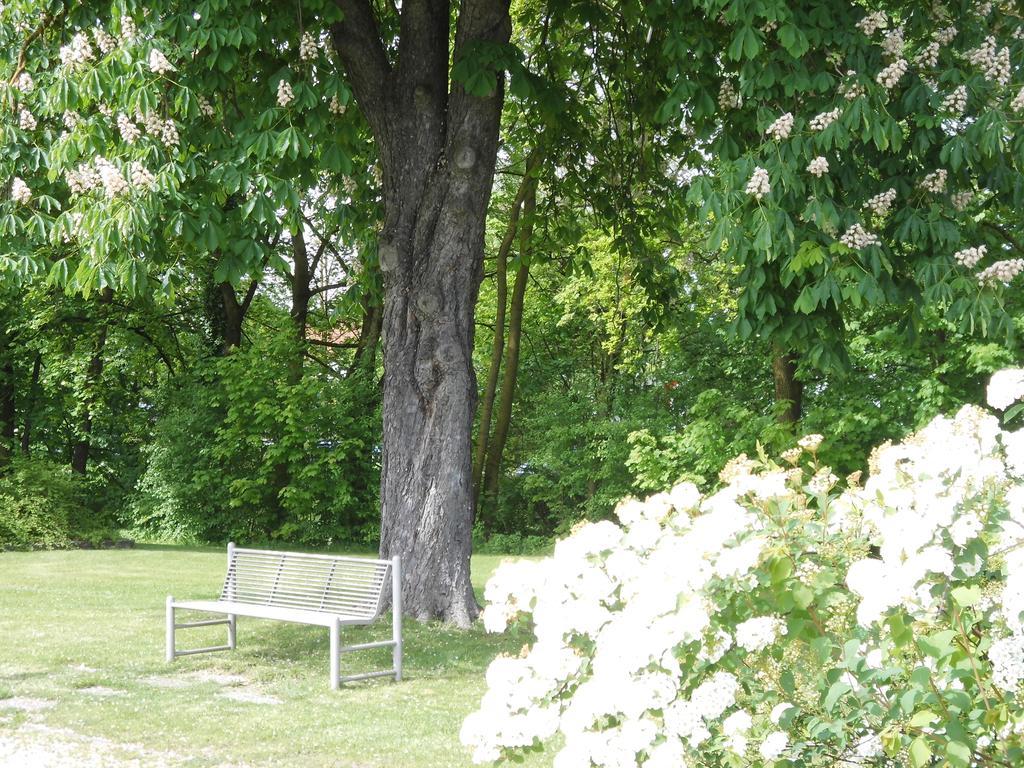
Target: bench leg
[[169, 652], [396, 617], [335, 655], [232, 626]]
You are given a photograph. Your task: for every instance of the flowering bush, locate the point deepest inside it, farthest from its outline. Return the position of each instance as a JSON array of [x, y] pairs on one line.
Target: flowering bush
[[779, 620]]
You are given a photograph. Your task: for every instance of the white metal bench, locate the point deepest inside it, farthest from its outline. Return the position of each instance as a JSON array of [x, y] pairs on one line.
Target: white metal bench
[[324, 590]]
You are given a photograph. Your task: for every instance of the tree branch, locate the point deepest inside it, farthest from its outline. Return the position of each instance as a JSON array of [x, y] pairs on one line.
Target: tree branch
[[358, 44]]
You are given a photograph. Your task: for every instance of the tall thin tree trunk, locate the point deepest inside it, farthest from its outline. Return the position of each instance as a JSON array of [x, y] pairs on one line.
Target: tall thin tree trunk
[[498, 344], [8, 393], [497, 347], [83, 445], [369, 335], [299, 314], [788, 388], [496, 447], [33, 392]]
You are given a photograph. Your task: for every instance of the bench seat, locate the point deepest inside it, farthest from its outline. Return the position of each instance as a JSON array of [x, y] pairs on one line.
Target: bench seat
[[330, 591], [294, 615]]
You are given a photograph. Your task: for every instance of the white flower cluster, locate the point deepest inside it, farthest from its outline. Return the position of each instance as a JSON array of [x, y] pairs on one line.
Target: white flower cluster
[[101, 173], [25, 83], [881, 204], [946, 35], [916, 495], [309, 48], [891, 75], [818, 166], [1001, 272], [129, 131], [158, 62], [1017, 103], [77, 52], [129, 30], [823, 120], [169, 134], [872, 23], [928, 57], [969, 257], [758, 633], [26, 120], [71, 119], [857, 237], [961, 200], [164, 131], [994, 62], [728, 96], [1005, 388], [285, 95], [152, 123], [336, 107], [955, 102], [113, 181], [205, 107], [105, 42], [20, 193], [935, 181], [141, 176], [781, 127], [851, 90], [759, 184], [893, 43]]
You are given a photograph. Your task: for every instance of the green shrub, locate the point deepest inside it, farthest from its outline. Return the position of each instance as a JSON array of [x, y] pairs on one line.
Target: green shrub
[[42, 505]]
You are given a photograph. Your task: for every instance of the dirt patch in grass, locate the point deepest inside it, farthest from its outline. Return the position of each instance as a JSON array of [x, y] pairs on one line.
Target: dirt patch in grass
[[250, 697], [40, 746], [25, 704]]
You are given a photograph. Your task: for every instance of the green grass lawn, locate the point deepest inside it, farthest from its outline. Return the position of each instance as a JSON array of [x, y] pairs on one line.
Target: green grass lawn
[[82, 674]]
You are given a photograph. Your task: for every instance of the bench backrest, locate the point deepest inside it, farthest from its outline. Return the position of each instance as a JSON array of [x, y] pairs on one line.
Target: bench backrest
[[351, 586]]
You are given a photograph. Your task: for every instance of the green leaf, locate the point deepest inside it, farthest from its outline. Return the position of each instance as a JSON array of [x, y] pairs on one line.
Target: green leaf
[[965, 597], [802, 596], [923, 718], [958, 754], [837, 691], [920, 752]]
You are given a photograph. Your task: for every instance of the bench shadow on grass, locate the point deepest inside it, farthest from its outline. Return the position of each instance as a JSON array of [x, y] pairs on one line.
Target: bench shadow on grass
[[430, 650]]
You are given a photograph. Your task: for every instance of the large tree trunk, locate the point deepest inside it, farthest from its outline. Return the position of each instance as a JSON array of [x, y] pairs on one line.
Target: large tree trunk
[[438, 152], [83, 445], [788, 389], [496, 448]]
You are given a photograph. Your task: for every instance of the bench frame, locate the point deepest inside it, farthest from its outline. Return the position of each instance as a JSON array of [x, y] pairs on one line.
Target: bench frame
[[334, 624]]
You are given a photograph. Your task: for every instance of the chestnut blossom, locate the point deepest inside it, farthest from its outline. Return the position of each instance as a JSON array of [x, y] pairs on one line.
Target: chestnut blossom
[[20, 193], [857, 237], [759, 184], [285, 95], [781, 127], [158, 62], [26, 120], [818, 167]]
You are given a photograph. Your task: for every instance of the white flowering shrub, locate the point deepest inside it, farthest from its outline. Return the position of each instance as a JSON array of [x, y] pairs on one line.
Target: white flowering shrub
[[781, 620]]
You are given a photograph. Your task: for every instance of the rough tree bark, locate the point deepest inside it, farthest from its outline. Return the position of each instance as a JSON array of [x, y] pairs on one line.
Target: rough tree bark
[[437, 150], [788, 388], [496, 447]]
